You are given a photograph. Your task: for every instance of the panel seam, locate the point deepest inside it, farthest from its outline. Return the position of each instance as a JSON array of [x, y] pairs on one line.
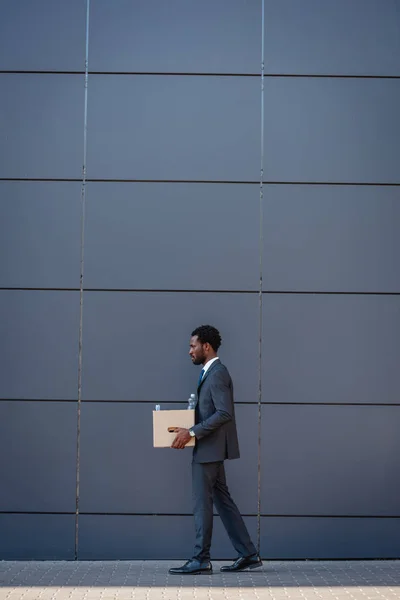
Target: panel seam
[[200, 74], [203, 181], [260, 294], [83, 207]]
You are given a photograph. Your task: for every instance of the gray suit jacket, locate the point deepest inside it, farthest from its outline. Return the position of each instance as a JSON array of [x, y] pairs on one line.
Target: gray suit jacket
[[215, 428]]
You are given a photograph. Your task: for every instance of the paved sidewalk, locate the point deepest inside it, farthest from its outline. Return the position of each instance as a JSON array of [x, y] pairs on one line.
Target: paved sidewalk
[[149, 580]]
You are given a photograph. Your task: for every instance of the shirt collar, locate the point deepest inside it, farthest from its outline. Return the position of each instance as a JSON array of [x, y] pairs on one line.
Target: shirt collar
[[208, 364]]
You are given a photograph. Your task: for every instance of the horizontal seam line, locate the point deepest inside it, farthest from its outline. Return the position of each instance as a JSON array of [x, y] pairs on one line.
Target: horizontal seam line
[[184, 402], [34, 512], [158, 514], [127, 290], [251, 403], [330, 293], [37, 289], [327, 403], [204, 181], [61, 400], [295, 516], [194, 291], [199, 74]]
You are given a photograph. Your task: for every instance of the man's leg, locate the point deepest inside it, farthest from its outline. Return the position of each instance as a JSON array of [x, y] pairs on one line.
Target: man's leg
[[231, 517], [203, 479]]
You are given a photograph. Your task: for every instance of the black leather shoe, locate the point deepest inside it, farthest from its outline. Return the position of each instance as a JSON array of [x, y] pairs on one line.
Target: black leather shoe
[[243, 563], [192, 567]]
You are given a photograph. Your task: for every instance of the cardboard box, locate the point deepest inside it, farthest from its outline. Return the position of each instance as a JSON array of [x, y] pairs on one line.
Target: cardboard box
[[164, 419]]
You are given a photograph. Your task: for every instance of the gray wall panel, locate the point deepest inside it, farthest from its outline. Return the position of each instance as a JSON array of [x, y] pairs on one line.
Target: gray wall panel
[[40, 234], [37, 537], [136, 345], [331, 348], [206, 37], [330, 376], [161, 127], [329, 538], [361, 37], [41, 119], [331, 238], [242, 475], [143, 235], [339, 130], [42, 35], [111, 537], [40, 441], [39, 344], [120, 469], [330, 460], [115, 477]]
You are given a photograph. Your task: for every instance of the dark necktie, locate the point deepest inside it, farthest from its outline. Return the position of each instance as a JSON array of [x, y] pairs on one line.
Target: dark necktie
[[200, 377]]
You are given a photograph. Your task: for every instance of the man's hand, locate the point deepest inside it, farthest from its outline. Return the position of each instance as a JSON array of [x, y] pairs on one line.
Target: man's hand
[[182, 438]]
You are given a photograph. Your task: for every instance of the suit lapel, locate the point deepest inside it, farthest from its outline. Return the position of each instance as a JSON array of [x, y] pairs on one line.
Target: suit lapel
[[215, 363]]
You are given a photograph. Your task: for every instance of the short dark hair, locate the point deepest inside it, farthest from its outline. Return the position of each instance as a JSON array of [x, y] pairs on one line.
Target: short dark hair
[[208, 334]]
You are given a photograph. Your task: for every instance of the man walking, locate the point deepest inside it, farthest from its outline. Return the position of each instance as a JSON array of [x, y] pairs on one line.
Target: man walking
[[216, 440]]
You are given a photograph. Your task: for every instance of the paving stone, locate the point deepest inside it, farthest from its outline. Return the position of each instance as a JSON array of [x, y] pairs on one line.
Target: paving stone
[[149, 580]]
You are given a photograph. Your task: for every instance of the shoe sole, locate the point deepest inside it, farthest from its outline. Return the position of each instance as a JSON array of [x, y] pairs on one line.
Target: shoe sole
[[194, 573], [256, 566], [249, 568]]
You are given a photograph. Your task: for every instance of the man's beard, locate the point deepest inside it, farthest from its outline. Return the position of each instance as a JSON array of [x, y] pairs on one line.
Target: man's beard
[[198, 361]]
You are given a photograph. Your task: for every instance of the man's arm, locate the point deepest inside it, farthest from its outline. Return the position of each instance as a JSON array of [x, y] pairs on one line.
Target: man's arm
[[221, 393]]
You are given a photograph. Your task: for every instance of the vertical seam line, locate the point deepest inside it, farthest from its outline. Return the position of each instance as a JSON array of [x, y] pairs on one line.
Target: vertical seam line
[[260, 294], [83, 207]]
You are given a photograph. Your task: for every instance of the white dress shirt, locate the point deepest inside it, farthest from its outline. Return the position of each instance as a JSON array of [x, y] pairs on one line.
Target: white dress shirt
[[208, 365]]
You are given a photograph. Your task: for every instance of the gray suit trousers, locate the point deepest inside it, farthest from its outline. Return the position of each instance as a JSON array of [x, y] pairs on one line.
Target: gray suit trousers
[[209, 487]]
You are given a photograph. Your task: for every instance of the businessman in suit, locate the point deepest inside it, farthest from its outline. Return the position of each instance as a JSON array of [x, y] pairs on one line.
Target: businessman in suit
[[215, 440]]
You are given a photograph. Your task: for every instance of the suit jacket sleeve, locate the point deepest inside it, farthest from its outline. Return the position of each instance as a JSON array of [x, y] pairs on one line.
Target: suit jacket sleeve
[[221, 393]]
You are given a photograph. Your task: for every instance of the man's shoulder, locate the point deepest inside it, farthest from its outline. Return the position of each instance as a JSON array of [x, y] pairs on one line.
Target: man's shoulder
[[220, 365], [220, 370]]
